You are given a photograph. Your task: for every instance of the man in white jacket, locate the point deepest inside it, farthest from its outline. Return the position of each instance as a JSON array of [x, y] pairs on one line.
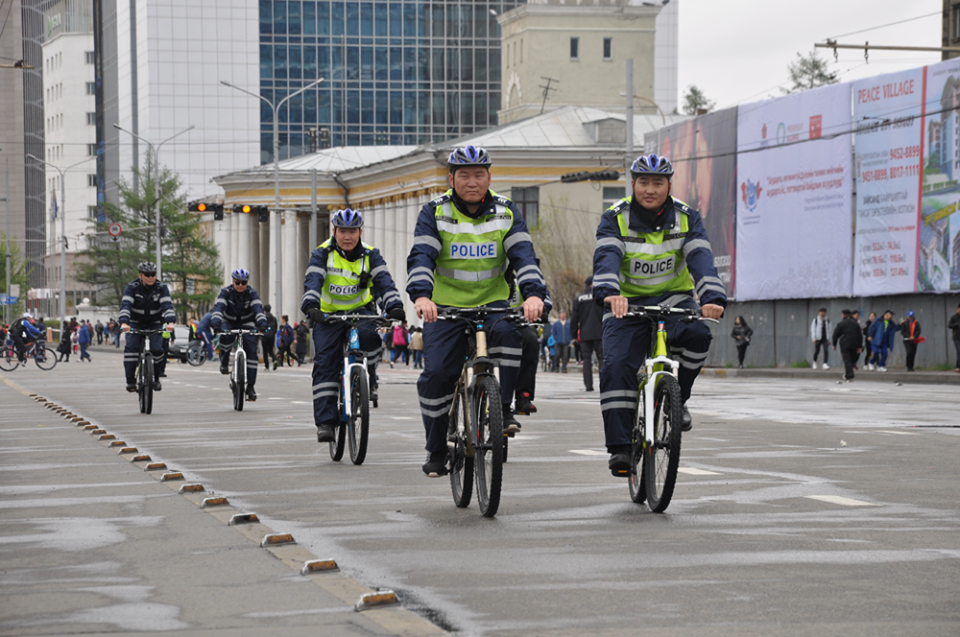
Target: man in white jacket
[[820, 333]]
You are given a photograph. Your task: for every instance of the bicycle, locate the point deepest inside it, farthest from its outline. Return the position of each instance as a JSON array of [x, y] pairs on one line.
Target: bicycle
[[197, 352], [475, 437], [354, 398], [37, 350], [144, 373], [238, 373], [655, 449]]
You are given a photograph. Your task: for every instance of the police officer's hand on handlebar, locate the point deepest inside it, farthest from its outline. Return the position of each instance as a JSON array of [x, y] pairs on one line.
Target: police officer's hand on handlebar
[[532, 308], [619, 305], [426, 309]]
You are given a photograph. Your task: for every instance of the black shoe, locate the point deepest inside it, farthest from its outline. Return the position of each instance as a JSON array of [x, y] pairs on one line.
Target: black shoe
[[131, 387], [686, 423], [436, 464], [619, 463], [161, 374], [224, 369], [525, 406], [589, 388], [510, 425], [157, 386], [325, 432], [251, 394], [374, 394]]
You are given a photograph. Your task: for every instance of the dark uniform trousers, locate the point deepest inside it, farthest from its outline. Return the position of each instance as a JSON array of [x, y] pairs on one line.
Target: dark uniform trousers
[[529, 360], [626, 343], [588, 348], [131, 351], [249, 348], [444, 352], [328, 363]]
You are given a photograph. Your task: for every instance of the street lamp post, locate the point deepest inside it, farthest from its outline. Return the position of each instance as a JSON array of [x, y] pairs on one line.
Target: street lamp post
[[63, 232], [278, 276], [156, 182]]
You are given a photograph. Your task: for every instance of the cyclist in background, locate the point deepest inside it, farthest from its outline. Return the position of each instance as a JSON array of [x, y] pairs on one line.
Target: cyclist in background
[[146, 304], [342, 278], [651, 250], [238, 307], [23, 333]]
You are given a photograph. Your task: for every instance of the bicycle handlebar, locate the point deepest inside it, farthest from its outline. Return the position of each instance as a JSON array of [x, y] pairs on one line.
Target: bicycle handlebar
[[347, 318], [137, 330], [686, 315]]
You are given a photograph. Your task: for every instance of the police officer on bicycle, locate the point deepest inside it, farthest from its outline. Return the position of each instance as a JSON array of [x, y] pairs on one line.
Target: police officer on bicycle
[[651, 250], [464, 243], [238, 307], [22, 333], [145, 305], [343, 277]]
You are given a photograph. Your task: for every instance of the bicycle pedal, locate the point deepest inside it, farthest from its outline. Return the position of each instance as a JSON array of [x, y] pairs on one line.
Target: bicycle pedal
[[625, 473], [437, 474]]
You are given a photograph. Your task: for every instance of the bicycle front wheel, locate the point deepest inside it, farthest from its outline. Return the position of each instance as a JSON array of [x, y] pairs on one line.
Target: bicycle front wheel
[[196, 355], [145, 383], [638, 486], [461, 467], [339, 441], [45, 359], [239, 379], [662, 458], [488, 444], [359, 425], [8, 359]]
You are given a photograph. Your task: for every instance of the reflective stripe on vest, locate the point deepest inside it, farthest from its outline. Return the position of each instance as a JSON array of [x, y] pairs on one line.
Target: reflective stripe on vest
[[341, 286], [653, 263], [472, 259]]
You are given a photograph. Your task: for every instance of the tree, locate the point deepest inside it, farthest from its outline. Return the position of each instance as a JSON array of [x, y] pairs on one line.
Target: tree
[[695, 102], [809, 71], [190, 260], [564, 240], [19, 273]]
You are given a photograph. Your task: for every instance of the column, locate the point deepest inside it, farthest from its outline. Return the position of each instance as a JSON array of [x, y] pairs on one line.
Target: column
[[292, 282], [263, 265]]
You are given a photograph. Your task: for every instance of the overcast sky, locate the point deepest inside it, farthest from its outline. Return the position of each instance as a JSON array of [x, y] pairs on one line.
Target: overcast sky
[[737, 51]]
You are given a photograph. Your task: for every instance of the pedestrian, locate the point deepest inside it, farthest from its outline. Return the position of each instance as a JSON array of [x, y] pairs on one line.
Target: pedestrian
[[820, 333], [561, 338], [741, 335], [850, 338], [910, 330], [285, 336], [64, 348], [301, 332], [856, 317], [269, 338], [545, 334], [99, 329], [83, 339], [881, 336], [586, 321], [954, 326], [868, 357], [399, 342], [416, 346]]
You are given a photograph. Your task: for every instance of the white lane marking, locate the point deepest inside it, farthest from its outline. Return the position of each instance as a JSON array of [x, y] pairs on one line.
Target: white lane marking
[[697, 472], [589, 452], [899, 433], [300, 402], [401, 417], [275, 398], [836, 499]]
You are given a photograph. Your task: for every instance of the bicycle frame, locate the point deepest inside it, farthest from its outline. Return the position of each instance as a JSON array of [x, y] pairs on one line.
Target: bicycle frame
[[350, 351], [654, 369]]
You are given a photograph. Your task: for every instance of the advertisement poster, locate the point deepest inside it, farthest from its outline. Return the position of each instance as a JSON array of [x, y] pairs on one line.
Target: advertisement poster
[[888, 146], [794, 207], [703, 154], [938, 244]]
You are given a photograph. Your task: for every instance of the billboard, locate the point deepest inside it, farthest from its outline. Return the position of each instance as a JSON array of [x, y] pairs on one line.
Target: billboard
[[703, 151], [794, 189]]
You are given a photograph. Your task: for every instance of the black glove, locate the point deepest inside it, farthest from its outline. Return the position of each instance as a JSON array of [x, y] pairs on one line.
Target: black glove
[[316, 316], [216, 329], [397, 313]]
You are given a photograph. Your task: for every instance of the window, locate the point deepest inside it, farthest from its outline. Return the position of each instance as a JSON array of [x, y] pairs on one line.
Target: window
[[91, 150], [956, 23], [92, 180], [527, 201], [612, 194], [89, 55], [91, 119], [92, 210], [91, 88], [607, 48], [574, 48]]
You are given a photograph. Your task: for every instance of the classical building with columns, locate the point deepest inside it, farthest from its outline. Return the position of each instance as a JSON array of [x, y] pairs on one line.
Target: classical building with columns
[[390, 185]]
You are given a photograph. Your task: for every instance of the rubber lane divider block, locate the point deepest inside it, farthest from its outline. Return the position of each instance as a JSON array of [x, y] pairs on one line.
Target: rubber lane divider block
[[191, 488], [128, 450], [83, 423], [213, 502], [170, 477], [117, 443], [140, 459], [97, 432], [276, 539], [319, 566], [244, 518], [77, 418], [108, 437], [155, 466], [89, 427], [372, 600]]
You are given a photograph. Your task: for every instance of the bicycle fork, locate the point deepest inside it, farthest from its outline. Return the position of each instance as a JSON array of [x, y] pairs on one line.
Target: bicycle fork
[[653, 370]]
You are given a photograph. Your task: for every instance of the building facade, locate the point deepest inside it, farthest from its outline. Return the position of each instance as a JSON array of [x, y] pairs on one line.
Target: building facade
[[11, 121]]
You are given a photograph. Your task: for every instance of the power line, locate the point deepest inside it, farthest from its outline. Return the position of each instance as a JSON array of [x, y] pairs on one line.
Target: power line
[[884, 25]]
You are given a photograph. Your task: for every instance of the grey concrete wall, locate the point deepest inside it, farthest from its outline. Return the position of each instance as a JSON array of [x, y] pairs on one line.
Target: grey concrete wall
[[781, 329]]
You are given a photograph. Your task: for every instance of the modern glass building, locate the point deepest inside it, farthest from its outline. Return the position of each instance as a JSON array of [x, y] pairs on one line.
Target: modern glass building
[[399, 73]]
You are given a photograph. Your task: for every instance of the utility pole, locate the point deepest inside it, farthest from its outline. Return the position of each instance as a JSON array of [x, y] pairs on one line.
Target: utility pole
[[6, 165], [629, 127], [546, 90]]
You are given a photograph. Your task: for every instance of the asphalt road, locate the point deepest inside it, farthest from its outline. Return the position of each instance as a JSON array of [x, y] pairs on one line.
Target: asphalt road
[[804, 507]]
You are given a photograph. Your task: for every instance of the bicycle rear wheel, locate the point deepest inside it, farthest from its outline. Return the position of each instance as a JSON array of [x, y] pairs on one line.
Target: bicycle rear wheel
[[461, 467], [661, 460], [8, 359], [239, 379], [197, 354], [45, 359], [488, 443], [145, 383], [359, 424]]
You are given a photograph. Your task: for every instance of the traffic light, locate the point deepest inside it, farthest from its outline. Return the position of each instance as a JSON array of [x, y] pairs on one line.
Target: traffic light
[[216, 208], [262, 212], [603, 175]]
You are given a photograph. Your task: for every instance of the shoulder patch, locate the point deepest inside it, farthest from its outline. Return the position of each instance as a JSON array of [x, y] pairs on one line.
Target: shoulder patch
[[500, 199], [618, 207], [681, 206], [442, 199]]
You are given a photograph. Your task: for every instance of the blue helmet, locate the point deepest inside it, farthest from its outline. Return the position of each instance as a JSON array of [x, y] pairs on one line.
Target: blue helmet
[[240, 275], [347, 218], [651, 165], [469, 156]]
